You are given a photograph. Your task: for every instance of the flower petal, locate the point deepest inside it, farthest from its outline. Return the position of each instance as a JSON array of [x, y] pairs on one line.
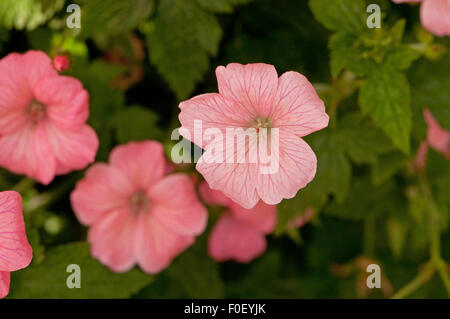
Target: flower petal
[[5, 278], [142, 162], [435, 16], [157, 245], [15, 250], [175, 204], [253, 86], [297, 167], [73, 149], [103, 189], [28, 152], [298, 108], [261, 217], [211, 196], [234, 239], [112, 239], [66, 102]]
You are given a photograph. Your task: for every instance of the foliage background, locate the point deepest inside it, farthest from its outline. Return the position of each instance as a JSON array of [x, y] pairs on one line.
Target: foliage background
[[139, 58]]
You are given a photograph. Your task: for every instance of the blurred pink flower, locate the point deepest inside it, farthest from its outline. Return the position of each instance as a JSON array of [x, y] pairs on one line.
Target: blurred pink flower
[[43, 115], [435, 15], [15, 251], [252, 96], [239, 234], [437, 137], [136, 213]]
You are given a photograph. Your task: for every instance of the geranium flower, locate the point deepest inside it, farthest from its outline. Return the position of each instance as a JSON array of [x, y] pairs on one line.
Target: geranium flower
[[239, 234], [435, 15], [137, 214], [252, 96], [15, 251], [43, 115]]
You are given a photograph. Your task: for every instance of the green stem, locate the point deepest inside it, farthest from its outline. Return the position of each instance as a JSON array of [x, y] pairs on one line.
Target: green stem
[[24, 184], [424, 275]]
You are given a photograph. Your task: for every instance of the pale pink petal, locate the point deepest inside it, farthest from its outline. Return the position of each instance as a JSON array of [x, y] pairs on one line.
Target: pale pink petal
[[297, 167], [234, 239], [262, 217], [28, 152], [297, 107], [213, 197], [142, 162], [435, 16], [15, 250], [175, 204], [437, 137], [253, 86], [156, 245], [104, 188], [5, 278], [13, 114], [36, 65], [235, 180], [213, 111], [66, 102], [111, 239], [73, 149]]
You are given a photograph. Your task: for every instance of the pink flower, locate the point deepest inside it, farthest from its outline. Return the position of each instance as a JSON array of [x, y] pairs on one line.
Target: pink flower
[[15, 251], [435, 15], [61, 63], [43, 115], [252, 96], [239, 233], [437, 137], [137, 215]]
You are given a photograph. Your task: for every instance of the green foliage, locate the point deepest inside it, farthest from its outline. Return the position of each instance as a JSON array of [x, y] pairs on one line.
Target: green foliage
[[48, 278], [112, 16], [27, 14], [385, 95]]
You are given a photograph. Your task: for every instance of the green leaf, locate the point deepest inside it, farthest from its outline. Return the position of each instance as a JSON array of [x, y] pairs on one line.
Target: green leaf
[[430, 82], [48, 279], [136, 123], [27, 14], [397, 234], [112, 16], [401, 57], [181, 39], [364, 199], [361, 140], [345, 15], [385, 95], [387, 165]]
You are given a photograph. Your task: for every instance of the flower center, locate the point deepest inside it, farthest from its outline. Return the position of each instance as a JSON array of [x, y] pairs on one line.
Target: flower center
[[139, 202], [36, 110], [261, 122]]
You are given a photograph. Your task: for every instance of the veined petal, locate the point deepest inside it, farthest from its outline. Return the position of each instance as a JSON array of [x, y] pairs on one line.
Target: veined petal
[[15, 250], [5, 278]]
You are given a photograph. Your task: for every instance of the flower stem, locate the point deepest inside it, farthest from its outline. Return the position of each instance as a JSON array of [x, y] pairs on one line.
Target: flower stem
[[24, 184], [424, 275]]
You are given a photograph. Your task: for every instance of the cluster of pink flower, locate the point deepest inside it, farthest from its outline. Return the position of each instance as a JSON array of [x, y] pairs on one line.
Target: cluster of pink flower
[[137, 210]]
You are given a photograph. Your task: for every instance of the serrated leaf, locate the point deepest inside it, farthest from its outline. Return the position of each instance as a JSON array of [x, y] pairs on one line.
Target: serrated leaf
[[182, 39], [112, 16], [26, 14], [48, 279], [345, 15], [136, 123], [385, 96]]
